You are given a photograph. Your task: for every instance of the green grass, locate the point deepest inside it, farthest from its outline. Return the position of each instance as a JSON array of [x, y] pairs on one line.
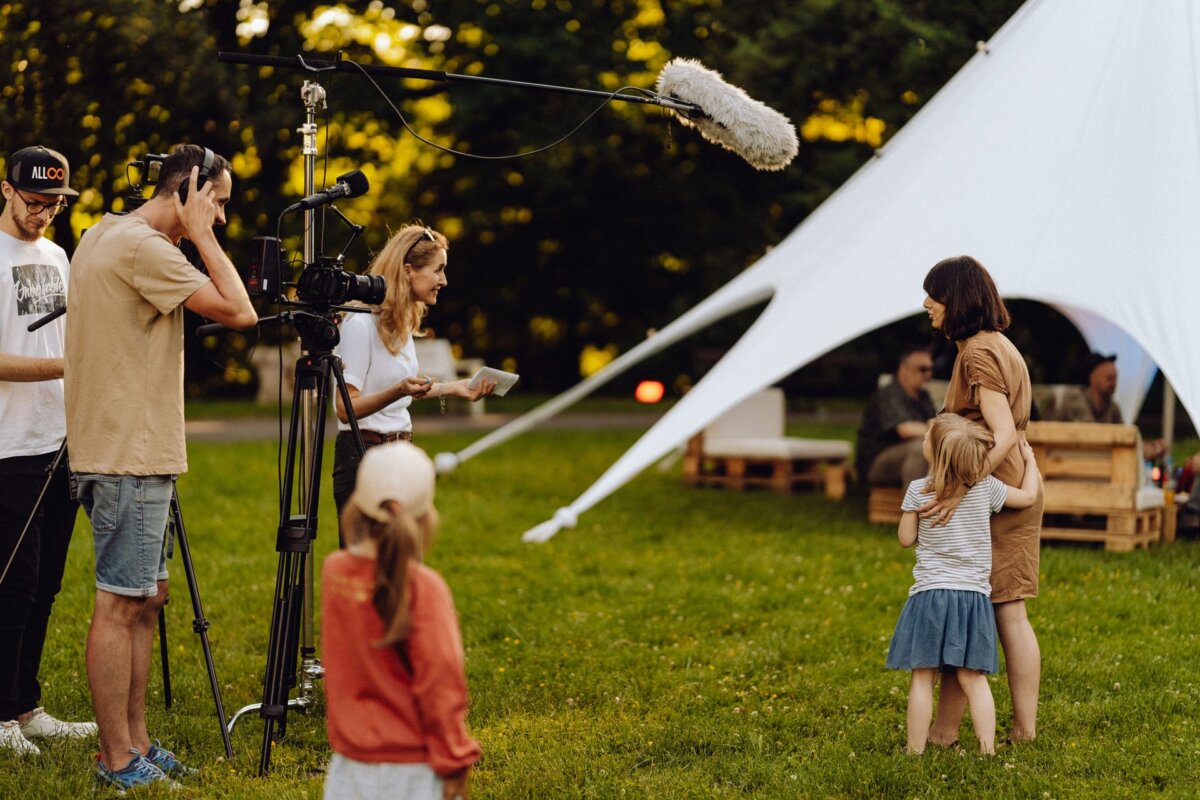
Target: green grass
[[677, 644], [516, 403]]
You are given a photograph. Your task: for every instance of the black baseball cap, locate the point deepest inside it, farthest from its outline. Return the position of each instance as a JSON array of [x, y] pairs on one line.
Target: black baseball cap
[[40, 170], [1088, 364]]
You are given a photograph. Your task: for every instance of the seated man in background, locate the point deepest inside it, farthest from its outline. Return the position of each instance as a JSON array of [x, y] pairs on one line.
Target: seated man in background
[[889, 451], [1094, 401]]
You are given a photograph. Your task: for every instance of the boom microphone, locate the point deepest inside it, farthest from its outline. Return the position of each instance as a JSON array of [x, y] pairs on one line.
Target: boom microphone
[[730, 117], [352, 184]]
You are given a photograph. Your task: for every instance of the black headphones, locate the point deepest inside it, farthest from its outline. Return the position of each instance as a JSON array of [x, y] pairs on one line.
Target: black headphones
[[205, 174]]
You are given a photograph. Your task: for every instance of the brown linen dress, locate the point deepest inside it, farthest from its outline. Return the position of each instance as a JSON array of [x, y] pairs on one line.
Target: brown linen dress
[[989, 360]]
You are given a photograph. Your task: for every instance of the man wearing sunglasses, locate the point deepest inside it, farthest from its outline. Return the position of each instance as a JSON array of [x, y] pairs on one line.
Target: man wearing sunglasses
[[33, 283], [894, 424]]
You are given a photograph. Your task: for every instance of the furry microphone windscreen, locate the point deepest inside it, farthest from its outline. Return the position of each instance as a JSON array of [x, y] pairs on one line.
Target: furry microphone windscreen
[[732, 119]]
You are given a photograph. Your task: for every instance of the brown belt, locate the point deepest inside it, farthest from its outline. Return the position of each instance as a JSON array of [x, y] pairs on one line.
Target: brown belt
[[372, 437]]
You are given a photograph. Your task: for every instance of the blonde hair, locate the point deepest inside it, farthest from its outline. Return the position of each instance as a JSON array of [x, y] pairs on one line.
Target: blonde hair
[[399, 541], [960, 450], [399, 315]]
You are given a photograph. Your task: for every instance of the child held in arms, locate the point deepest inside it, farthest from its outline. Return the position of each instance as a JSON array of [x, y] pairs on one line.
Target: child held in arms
[[947, 624], [394, 673]]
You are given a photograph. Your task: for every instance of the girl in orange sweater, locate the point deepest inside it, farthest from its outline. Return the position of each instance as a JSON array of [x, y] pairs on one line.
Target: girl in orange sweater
[[394, 672]]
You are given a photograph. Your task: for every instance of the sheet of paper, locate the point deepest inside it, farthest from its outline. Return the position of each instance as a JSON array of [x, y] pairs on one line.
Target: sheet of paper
[[504, 380]]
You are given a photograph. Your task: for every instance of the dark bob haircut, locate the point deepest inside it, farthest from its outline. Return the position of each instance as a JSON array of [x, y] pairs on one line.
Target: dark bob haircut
[[972, 302]]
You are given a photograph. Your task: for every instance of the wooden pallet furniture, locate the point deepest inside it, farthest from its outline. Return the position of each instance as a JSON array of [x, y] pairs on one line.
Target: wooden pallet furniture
[[1094, 485], [883, 505], [747, 448]]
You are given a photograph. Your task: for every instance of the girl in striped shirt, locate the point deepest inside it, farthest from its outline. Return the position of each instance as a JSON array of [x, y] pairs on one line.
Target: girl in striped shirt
[[947, 624]]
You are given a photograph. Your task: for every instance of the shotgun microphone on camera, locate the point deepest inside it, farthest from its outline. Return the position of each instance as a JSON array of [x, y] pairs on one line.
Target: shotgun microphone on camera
[[352, 184], [728, 116]]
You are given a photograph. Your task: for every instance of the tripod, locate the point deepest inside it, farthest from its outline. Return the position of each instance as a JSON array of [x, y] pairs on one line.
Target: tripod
[[199, 623], [291, 637]]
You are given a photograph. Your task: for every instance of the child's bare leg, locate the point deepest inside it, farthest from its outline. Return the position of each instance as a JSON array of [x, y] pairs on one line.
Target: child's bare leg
[[983, 709], [920, 709]]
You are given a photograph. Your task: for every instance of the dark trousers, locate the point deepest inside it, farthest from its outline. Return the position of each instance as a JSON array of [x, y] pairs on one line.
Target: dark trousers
[[35, 575], [345, 472]]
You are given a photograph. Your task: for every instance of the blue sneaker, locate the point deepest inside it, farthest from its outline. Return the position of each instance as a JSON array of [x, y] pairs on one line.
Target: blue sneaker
[[139, 772], [166, 761]]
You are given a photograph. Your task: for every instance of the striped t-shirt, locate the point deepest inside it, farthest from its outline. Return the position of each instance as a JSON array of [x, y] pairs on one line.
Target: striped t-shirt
[[957, 555]]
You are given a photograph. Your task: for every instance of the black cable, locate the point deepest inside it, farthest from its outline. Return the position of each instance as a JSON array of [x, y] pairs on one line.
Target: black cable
[[555, 143]]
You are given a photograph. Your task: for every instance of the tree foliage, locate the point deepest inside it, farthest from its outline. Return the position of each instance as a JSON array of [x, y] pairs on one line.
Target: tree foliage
[[622, 227]]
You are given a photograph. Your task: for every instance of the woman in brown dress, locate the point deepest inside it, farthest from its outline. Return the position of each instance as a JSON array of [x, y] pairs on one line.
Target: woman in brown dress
[[990, 385]]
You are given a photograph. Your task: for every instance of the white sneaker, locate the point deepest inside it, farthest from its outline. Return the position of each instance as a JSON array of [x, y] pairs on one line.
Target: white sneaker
[[12, 739], [42, 725]]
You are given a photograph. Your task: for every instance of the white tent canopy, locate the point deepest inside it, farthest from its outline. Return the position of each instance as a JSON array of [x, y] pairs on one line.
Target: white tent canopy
[[1065, 156]]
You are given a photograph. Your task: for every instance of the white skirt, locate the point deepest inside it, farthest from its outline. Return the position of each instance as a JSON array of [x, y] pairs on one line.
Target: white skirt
[[348, 779]]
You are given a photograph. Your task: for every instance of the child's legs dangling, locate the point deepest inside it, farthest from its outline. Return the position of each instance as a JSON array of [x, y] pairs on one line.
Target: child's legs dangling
[[983, 709], [920, 708]]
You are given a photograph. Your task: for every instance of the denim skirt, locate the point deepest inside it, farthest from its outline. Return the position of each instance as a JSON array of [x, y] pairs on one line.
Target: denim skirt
[[945, 629]]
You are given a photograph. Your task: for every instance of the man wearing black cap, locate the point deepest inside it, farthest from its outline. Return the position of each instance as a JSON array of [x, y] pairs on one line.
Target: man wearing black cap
[[1094, 402], [33, 283]]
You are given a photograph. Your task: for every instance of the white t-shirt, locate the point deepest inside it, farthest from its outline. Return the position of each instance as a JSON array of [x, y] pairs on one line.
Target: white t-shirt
[[957, 555], [369, 367], [33, 282]]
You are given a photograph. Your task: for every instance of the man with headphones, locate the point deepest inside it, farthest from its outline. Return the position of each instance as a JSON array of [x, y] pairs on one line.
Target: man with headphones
[[124, 405]]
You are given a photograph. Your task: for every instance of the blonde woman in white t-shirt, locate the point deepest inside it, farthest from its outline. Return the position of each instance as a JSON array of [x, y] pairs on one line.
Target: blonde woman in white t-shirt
[[379, 360], [947, 624]]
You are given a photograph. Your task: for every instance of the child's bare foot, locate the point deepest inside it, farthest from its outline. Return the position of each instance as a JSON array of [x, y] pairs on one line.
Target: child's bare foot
[[910, 750], [987, 748]]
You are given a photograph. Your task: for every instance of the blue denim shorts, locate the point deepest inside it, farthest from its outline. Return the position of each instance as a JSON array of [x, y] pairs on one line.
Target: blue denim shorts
[[129, 524]]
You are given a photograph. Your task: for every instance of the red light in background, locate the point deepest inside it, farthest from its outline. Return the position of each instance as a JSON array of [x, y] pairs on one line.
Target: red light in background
[[649, 392]]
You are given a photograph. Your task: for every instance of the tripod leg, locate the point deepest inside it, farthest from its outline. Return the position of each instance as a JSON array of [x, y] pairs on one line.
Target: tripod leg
[[339, 380], [164, 655], [199, 623], [294, 543]]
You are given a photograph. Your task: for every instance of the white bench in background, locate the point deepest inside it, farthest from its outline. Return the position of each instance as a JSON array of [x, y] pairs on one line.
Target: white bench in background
[[747, 447], [435, 358]]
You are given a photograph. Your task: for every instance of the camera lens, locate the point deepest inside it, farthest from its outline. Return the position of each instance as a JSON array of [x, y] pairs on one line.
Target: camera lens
[[370, 289], [332, 286]]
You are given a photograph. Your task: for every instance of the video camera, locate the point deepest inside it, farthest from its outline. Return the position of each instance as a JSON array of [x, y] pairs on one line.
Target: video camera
[[322, 284], [149, 168]]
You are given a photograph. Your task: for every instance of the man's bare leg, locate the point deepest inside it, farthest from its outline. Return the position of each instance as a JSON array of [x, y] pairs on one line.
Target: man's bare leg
[[141, 657], [952, 702], [109, 660]]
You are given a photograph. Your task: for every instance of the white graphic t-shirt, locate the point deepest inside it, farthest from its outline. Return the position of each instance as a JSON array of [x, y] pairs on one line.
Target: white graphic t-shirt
[[33, 283]]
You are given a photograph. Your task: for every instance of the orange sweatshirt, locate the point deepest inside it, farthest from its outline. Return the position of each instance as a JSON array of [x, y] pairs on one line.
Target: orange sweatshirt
[[379, 710]]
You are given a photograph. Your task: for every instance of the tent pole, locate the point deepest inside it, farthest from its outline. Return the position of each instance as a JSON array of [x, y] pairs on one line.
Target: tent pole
[[1168, 415]]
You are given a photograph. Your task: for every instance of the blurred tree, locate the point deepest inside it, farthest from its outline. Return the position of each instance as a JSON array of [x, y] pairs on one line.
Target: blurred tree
[[618, 230]]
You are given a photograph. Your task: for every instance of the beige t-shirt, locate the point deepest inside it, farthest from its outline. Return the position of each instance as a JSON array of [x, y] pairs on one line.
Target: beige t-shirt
[[124, 350]]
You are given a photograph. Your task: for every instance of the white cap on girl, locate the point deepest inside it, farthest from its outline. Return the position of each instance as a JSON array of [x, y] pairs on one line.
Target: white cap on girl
[[395, 471]]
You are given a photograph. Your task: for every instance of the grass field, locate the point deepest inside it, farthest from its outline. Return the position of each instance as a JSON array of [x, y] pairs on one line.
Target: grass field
[[677, 644]]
